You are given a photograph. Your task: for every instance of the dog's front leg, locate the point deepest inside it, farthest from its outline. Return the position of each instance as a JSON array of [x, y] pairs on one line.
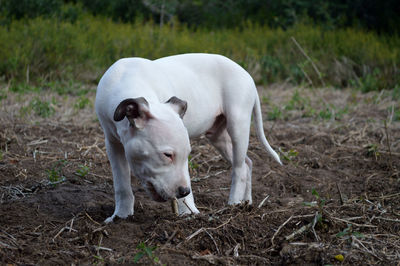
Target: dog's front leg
[[124, 198]]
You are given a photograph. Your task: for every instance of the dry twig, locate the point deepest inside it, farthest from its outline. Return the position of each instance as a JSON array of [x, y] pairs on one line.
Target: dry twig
[[315, 220], [91, 219], [263, 201], [298, 232], [353, 223], [213, 240], [208, 228], [279, 228]]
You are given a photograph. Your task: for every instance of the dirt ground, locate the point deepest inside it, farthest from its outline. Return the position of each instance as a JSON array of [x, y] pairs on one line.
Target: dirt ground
[[335, 200]]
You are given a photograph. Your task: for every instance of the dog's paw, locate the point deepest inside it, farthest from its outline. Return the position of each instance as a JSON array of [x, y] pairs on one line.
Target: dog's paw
[[234, 202], [109, 220], [240, 202], [114, 218]]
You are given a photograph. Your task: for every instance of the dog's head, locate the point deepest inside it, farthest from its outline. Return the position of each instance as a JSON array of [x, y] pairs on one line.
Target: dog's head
[[157, 145]]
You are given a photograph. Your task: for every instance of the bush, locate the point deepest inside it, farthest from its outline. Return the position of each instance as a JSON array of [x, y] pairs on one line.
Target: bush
[[30, 8], [48, 50]]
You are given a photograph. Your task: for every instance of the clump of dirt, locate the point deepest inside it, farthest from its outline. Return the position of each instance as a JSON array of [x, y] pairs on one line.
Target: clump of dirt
[[335, 200]]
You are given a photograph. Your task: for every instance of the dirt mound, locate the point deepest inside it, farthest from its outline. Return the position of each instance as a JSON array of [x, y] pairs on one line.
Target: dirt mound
[[335, 199]]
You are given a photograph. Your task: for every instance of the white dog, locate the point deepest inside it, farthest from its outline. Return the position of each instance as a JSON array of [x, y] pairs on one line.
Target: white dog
[[149, 110]]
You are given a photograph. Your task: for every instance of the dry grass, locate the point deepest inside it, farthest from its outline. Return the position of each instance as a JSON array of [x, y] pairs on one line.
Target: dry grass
[[337, 194]]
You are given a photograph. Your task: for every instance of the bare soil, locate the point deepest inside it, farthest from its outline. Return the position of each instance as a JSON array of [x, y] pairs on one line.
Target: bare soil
[[335, 200]]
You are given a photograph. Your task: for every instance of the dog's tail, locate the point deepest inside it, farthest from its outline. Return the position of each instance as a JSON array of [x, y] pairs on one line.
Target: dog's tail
[[260, 129]]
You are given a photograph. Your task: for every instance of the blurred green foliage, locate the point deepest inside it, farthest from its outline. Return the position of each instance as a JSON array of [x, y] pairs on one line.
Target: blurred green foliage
[[50, 43], [382, 16], [39, 107]]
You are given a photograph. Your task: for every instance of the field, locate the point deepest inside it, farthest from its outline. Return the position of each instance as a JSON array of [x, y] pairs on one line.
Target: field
[[334, 201]]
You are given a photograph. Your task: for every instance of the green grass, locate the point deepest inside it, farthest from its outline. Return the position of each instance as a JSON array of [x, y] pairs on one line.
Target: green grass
[[396, 92], [301, 106], [83, 171], [192, 165], [396, 115], [275, 114], [297, 102], [289, 155], [3, 95], [55, 174], [320, 204], [146, 251], [82, 102], [348, 232], [326, 114], [39, 107], [50, 53]]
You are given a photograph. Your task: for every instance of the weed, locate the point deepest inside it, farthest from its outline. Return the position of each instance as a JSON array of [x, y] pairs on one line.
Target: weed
[[58, 87], [265, 100], [320, 203], [71, 87], [55, 173], [325, 114], [370, 81], [396, 92], [348, 232], [3, 94], [396, 114], [82, 171], [82, 102], [39, 107], [192, 165], [272, 67], [144, 250], [42, 108], [99, 259], [372, 150], [296, 102], [289, 155], [296, 74], [329, 112], [23, 88], [339, 113], [309, 112], [275, 114]]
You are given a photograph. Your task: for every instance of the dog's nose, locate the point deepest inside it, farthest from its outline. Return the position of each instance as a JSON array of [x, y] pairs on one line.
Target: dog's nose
[[183, 192]]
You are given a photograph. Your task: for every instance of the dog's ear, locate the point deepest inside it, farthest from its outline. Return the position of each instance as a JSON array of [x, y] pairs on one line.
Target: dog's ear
[[136, 110], [178, 105]]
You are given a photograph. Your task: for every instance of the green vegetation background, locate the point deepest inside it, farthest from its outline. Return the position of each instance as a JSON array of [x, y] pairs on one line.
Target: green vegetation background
[[56, 44]]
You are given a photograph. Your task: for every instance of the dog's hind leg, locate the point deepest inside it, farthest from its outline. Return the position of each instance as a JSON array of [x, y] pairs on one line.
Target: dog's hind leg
[[241, 172]]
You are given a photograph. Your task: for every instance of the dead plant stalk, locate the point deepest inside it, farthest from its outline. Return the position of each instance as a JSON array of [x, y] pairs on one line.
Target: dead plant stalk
[[310, 60]]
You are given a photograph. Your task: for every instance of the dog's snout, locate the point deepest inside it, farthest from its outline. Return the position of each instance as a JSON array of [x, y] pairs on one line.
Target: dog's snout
[[183, 192]]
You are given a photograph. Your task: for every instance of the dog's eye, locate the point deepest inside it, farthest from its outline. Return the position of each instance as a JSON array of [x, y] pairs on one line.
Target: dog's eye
[[169, 155]]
